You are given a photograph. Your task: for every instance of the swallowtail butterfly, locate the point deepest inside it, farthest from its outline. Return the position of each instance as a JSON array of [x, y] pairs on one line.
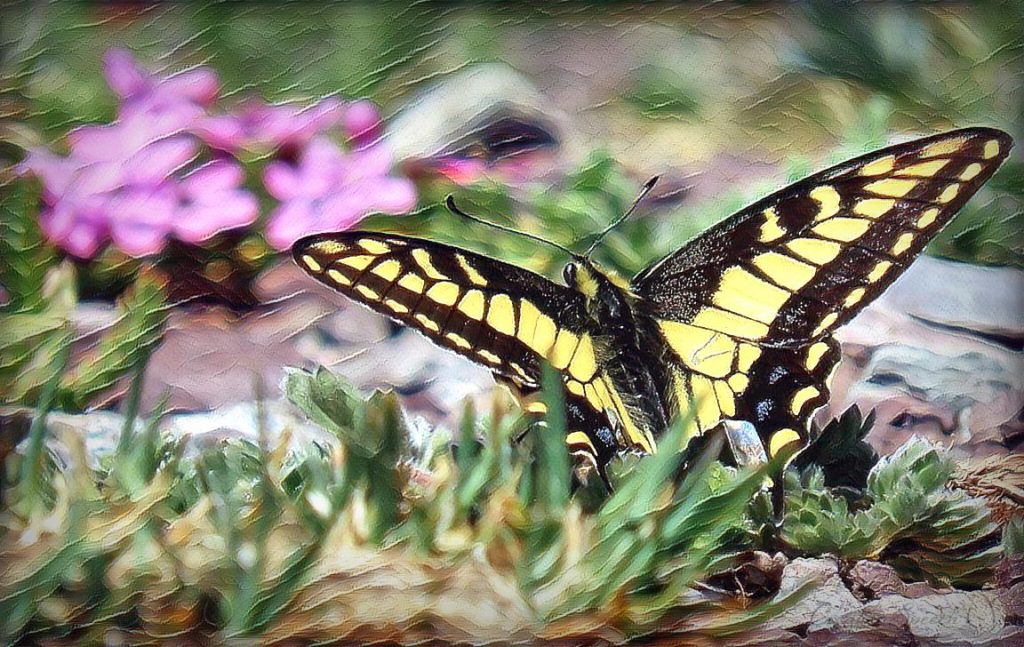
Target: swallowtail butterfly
[[736, 325]]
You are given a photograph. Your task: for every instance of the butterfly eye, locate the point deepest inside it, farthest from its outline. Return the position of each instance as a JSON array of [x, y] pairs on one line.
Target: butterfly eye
[[569, 274]]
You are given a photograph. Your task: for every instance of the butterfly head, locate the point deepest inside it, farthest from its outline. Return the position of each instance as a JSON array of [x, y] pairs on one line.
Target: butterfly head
[[606, 302]]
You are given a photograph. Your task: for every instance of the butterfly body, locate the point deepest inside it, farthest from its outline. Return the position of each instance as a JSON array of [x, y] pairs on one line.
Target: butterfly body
[[736, 325]]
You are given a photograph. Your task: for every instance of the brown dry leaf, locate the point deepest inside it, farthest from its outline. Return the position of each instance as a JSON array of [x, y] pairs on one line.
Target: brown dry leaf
[[366, 595], [998, 479]]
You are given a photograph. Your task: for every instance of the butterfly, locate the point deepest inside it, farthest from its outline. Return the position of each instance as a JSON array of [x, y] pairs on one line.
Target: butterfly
[[734, 326]]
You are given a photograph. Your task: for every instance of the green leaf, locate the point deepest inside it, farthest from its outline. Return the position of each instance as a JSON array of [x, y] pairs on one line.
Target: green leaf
[[32, 340], [1013, 537], [25, 257], [552, 465], [841, 452], [333, 404], [128, 342], [910, 518]]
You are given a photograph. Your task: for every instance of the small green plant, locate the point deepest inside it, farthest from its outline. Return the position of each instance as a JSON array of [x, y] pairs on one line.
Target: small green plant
[[906, 515]]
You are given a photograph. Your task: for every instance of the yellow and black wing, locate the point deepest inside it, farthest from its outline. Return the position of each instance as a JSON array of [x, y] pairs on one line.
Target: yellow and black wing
[[498, 315], [746, 309], [504, 317]]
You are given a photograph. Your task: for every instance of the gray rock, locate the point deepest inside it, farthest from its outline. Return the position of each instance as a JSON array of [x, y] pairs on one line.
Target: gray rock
[[828, 600], [937, 355], [958, 618]]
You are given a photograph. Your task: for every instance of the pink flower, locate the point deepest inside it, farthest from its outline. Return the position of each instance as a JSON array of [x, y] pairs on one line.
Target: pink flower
[[138, 89], [262, 126], [330, 190], [362, 123], [127, 181]]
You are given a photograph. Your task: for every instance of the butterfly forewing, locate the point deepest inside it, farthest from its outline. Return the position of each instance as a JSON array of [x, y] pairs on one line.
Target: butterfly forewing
[[499, 315], [747, 307]]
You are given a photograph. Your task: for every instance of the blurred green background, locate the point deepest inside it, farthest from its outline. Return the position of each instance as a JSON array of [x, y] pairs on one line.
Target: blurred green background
[[726, 102]]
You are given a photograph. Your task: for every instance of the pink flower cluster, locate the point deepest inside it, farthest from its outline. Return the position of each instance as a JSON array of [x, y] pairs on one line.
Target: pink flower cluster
[[166, 167]]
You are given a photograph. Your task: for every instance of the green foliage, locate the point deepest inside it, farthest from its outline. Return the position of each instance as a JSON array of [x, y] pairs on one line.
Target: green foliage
[[255, 530], [841, 452], [908, 517], [658, 93], [36, 325], [25, 258], [32, 342], [372, 433], [261, 532], [125, 344], [818, 522]]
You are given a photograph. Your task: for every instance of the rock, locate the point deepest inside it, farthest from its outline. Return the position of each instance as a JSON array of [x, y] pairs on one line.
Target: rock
[[828, 600], [456, 116], [1010, 571], [870, 580], [865, 627], [988, 300], [958, 618], [101, 430], [938, 355], [1013, 603]]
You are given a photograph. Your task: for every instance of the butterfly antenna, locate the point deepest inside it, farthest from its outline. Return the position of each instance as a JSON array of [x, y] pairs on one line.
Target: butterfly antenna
[[450, 203], [629, 212]]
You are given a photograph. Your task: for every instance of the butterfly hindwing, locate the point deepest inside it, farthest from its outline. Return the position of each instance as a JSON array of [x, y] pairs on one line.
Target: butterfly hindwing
[[747, 307]]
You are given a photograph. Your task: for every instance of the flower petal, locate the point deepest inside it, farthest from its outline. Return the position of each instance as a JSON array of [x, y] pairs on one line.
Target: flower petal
[[343, 210], [393, 195], [362, 123], [77, 230], [95, 178], [290, 222], [84, 239], [56, 173], [141, 219], [213, 177], [203, 220], [200, 85], [157, 160], [461, 170], [123, 74], [57, 222], [373, 161], [282, 180], [224, 132], [98, 143]]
